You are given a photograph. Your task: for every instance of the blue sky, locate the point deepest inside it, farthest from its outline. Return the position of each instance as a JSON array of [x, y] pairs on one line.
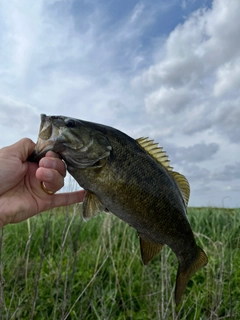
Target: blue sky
[[169, 70]]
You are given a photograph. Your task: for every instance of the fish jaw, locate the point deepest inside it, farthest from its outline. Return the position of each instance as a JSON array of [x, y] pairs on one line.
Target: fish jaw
[[48, 135], [79, 145]]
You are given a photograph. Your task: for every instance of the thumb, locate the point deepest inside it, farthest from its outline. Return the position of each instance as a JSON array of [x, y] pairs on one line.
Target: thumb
[[23, 148]]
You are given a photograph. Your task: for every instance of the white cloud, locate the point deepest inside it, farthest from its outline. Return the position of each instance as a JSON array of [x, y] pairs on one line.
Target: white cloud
[[18, 120], [168, 100], [196, 153], [201, 63], [192, 89], [16, 113], [228, 172], [227, 78], [137, 11], [227, 120], [78, 59], [205, 41]]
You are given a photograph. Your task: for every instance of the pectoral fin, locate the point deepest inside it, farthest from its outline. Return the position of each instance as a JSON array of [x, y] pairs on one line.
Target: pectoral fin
[[91, 206], [148, 249]]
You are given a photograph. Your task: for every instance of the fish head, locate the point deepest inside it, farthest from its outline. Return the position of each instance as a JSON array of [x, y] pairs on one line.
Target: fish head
[[78, 142]]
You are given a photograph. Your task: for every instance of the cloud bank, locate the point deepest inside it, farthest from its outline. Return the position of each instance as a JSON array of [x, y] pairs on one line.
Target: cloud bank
[[167, 70]]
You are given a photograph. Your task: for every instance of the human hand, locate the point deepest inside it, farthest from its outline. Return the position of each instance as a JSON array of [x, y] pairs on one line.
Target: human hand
[[21, 194]]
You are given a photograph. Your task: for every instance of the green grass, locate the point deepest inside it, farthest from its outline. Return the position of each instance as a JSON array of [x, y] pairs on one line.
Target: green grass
[[55, 266]]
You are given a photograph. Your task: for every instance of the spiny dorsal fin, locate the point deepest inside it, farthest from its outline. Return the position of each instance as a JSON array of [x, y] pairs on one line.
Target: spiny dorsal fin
[[155, 151], [183, 185]]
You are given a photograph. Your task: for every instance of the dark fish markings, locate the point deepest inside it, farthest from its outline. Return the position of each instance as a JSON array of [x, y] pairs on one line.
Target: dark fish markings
[[132, 179]]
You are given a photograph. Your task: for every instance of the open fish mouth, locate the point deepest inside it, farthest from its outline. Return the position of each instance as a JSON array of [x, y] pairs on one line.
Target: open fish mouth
[[41, 148], [132, 179], [44, 147], [46, 140]]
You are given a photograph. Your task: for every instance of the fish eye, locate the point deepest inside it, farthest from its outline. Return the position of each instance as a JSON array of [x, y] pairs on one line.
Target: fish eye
[[70, 123]]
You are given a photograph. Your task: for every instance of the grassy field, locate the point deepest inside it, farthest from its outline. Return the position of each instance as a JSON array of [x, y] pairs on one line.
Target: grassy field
[[55, 266]]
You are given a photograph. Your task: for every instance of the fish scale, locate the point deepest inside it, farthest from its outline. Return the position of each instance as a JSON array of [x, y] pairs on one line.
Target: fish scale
[[132, 179]]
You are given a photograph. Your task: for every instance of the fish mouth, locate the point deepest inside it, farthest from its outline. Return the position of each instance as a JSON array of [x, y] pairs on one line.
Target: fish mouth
[[42, 147], [46, 139]]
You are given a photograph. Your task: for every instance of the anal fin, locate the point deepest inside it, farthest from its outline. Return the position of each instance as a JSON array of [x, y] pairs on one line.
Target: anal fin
[[92, 206], [148, 248]]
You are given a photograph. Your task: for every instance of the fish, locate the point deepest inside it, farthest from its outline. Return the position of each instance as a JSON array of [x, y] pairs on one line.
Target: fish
[[132, 179]]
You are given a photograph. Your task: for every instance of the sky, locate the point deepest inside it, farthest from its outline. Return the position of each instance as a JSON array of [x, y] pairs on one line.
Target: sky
[[164, 69]]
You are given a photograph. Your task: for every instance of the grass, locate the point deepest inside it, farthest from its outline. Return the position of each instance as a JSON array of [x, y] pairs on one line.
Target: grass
[[55, 266]]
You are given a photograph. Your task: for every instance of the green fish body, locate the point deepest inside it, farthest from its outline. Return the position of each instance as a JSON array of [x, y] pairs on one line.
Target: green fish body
[[133, 180]]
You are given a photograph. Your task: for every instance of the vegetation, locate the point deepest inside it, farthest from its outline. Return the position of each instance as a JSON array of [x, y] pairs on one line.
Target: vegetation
[[55, 266]]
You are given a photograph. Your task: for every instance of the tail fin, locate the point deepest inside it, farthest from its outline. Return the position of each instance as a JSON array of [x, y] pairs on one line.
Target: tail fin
[[184, 276]]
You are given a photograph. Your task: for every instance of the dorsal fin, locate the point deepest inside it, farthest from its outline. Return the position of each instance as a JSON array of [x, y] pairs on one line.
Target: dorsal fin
[[158, 154], [155, 151], [183, 184]]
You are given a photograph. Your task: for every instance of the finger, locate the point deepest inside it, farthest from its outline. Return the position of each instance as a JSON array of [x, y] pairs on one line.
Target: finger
[[53, 163], [22, 148], [52, 154], [67, 198], [52, 179]]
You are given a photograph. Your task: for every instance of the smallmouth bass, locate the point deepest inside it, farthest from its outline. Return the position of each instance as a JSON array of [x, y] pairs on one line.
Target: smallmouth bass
[[133, 180]]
